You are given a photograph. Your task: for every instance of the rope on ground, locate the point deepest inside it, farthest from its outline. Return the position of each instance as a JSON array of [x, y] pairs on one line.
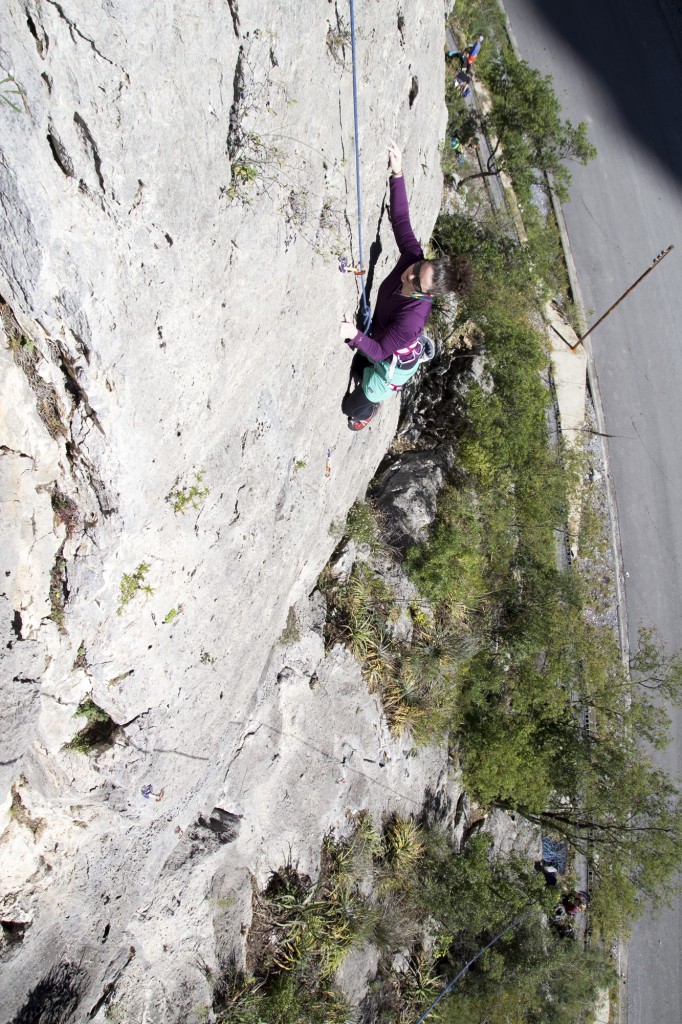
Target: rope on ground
[[365, 313], [480, 953]]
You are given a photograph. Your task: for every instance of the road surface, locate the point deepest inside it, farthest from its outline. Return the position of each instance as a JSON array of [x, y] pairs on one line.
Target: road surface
[[617, 65]]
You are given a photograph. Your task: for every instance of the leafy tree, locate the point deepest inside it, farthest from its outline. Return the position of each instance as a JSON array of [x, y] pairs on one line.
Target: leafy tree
[[531, 977], [654, 670], [522, 698], [475, 894], [540, 664], [503, 281], [526, 121], [609, 800]]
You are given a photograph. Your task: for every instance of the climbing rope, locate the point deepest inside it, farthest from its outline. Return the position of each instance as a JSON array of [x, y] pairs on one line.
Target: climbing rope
[[365, 313], [480, 953]]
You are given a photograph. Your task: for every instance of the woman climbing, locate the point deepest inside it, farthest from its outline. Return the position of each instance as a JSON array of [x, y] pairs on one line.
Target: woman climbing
[[389, 355]]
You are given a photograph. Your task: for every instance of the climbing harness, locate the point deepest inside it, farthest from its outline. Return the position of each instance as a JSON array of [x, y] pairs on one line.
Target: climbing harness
[[365, 314], [480, 953], [423, 349], [409, 354]]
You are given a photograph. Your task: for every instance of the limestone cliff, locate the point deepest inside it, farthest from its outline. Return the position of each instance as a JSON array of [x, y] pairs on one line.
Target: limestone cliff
[[177, 187]]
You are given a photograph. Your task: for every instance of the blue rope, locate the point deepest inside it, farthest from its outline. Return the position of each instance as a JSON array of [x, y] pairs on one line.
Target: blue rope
[[467, 966], [365, 313]]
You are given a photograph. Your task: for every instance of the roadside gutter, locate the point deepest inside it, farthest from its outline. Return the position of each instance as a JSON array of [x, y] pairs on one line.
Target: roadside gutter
[[592, 383]]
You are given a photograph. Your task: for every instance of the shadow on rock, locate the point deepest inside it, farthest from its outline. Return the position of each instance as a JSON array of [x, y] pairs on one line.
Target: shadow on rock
[[54, 999]]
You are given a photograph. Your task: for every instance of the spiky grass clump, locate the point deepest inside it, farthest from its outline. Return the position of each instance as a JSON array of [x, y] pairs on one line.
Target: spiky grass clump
[[403, 847]]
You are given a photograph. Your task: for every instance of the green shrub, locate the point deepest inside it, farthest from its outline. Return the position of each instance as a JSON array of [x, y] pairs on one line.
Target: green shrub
[[529, 976], [131, 584], [474, 894], [362, 524], [287, 999], [358, 609], [450, 568], [99, 727], [190, 496]]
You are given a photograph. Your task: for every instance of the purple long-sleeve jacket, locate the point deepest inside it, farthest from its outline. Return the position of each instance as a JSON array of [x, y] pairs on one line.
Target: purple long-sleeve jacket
[[397, 320]]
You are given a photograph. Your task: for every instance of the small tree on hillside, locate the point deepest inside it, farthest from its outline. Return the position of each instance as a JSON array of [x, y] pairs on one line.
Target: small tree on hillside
[[531, 976], [610, 800], [525, 122], [627, 823]]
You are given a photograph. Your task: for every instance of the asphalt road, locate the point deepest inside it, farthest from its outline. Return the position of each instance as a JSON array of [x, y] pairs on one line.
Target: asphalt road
[[616, 65]]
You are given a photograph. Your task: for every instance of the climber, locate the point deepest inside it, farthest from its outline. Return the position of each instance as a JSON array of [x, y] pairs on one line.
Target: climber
[[390, 353]]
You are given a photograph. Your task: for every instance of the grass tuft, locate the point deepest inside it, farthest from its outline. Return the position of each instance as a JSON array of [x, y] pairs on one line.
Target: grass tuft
[[131, 584], [191, 496]]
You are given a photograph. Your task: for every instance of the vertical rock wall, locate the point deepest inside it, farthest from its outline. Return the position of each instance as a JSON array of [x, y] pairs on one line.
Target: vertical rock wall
[[177, 188]]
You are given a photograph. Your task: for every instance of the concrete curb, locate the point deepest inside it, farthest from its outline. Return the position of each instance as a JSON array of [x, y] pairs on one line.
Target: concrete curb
[[593, 386], [621, 952], [675, 23]]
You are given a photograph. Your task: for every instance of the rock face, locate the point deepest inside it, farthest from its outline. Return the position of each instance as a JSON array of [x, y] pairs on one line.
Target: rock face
[[407, 493], [177, 188]]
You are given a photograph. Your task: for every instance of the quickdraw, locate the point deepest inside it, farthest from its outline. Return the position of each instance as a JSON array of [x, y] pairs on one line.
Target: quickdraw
[[148, 791], [346, 268]]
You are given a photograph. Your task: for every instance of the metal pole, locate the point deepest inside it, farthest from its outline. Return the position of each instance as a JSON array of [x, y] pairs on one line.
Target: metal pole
[[648, 270]]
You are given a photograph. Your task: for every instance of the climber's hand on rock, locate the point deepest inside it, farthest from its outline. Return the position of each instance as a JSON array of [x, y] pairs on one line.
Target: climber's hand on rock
[[347, 329], [395, 159]]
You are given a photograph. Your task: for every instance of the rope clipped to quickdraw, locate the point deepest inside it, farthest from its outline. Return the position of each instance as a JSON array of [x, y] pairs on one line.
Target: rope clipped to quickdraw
[[466, 967], [365, 313]]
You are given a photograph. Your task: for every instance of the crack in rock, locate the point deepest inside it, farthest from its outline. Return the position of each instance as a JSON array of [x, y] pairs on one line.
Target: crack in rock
[[239, 749], [67, 365], [26, 356], [76, 33], [91, 147], [234, 132], [110, 986], [234, 11], [91, 478], [39, 34], [59, 152], [12, 451]]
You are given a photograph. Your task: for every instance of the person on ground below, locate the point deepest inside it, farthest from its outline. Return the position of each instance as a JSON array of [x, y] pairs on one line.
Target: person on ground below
[[574, 902], [389, 354]]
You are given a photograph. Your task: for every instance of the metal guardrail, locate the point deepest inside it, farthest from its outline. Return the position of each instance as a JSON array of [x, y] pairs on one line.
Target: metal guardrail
[[486, 162], [500, 201]]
